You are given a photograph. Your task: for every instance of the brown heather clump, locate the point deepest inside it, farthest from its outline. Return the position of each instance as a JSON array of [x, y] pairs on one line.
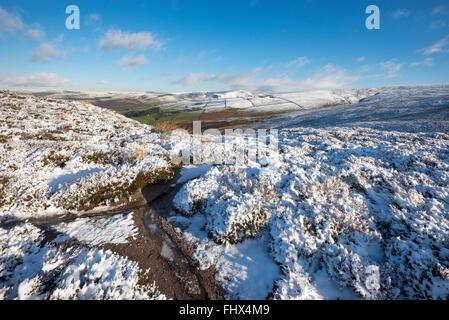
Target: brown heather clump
[[247, 228], [55, 160], [116, 192], [3, 138], [167, 126], [103, 158], [3, 184]]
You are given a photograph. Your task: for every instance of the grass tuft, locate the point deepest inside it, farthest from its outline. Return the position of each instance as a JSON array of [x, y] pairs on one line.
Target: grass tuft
[[4, 181], [55, 160], [114, 158]]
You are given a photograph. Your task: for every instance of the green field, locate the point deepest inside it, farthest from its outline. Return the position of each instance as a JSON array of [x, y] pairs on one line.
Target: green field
[[152, 114], [168, 116], [149, 112]]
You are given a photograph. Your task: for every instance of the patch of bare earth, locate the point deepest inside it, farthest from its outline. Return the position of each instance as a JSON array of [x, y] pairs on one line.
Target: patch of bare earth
[[163, 255]]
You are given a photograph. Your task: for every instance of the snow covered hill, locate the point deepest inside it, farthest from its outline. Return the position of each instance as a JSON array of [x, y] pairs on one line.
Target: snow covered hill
[[32, 268], [215, 101], [58, 156], [409, 109], [357, 206]]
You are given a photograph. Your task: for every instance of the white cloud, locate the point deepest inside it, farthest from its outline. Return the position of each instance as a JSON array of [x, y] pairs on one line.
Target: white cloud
[[119, 40], [438, 24], [327, 77], [206, 53], [401, 13], [48, 51], [193, 79], [298, 62], [239, 79], [391, 68], [385, 69], [428, 62], [437, 47], [39, 80], [127, 64], [438, 10], [35, 33], [361, 59], [92, 18], [11, 23]]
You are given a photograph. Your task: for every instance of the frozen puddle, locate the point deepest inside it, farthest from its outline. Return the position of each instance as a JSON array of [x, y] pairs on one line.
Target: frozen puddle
[[98, 231]]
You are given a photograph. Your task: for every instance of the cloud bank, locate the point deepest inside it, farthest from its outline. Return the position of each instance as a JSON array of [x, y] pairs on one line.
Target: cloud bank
[[127, 64], [38, 80], [12, 24], [118, 40]]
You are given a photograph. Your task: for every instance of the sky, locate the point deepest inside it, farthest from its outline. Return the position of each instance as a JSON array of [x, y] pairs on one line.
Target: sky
[[214, 45]]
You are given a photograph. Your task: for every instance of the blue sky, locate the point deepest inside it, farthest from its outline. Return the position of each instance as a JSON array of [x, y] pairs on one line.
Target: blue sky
[[188, 45]]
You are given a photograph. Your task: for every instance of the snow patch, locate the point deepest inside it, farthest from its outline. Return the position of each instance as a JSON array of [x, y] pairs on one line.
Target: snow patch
[[98, 231]]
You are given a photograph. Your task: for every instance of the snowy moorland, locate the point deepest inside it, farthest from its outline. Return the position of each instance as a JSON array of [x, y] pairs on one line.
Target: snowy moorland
[[354, 206], [57, 156], [253, 103], [244, 101], [347, 212], [30, 268]]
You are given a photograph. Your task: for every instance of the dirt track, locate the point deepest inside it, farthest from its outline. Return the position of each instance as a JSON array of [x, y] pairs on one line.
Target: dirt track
[[163, 255]]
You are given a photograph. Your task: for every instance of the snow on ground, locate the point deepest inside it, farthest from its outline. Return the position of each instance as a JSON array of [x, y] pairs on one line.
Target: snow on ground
[[190, 172], [97, 231], [316, 99], [245, 270], [33, 269], [360, 203], [356, 207], [355, 211], [408, 109], [57, 156]]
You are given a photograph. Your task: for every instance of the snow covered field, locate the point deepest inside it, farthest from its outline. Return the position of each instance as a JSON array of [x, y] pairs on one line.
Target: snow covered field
[[356, 207]]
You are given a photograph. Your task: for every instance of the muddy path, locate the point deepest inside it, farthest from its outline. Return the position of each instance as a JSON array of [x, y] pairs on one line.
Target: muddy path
[[163, 254], [163, 251]]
